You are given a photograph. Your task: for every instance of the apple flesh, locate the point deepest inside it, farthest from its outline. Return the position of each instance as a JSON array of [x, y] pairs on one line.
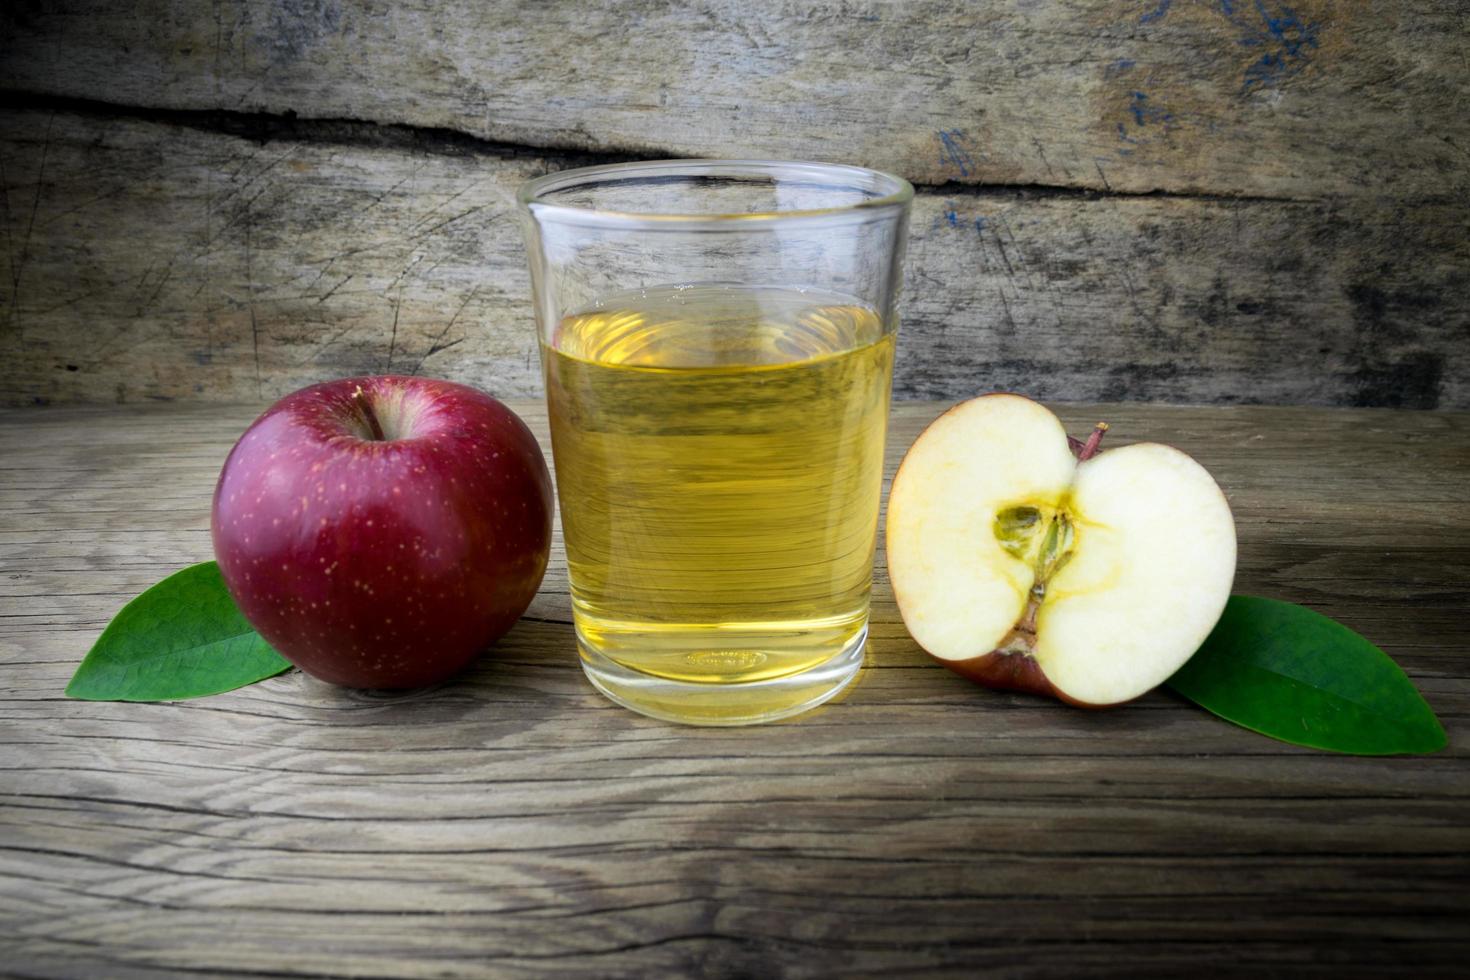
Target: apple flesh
[[1025, 560], [381, 532]]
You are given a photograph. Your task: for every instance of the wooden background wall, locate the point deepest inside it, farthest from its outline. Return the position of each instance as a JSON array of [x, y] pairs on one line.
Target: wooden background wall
[[1224, 201]]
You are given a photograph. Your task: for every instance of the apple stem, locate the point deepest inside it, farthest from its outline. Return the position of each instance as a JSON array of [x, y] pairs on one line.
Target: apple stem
[[1089, 448], [367, 412], [1033, 607], [1022, 637]]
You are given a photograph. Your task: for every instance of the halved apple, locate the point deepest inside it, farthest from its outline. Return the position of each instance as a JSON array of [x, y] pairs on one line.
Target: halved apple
[[1025, 560]]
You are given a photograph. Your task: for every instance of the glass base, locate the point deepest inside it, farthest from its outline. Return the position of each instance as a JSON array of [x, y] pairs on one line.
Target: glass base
[[747, 703]]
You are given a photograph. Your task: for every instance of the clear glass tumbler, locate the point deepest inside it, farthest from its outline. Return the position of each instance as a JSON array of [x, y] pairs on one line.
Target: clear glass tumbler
[[717, 342]]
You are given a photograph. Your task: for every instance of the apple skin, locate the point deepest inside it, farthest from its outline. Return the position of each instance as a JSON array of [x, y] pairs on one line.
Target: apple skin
[[1010, 672], [383, 562], [1020, 672]]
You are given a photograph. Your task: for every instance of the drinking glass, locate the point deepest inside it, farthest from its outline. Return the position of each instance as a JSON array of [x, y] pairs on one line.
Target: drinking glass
[[717, 343]]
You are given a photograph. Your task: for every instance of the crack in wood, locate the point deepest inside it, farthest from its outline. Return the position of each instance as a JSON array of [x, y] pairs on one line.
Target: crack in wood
[[266, 127], [18, 264]]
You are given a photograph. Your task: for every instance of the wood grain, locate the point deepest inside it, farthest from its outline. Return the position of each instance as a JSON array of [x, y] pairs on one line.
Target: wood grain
[[1200, 202], [154, 261], [1258, 98], [512, 823]]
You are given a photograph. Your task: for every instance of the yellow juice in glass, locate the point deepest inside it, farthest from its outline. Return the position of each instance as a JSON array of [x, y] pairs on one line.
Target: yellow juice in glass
[[719, 455]]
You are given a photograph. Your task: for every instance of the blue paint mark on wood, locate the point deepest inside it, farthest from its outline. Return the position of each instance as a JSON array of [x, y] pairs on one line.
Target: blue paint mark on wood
[[950, 215], [952, 152], [1145, 114], [1289, 40], [1118, 67], [1157, 13], [980, 225], [1137, 107]]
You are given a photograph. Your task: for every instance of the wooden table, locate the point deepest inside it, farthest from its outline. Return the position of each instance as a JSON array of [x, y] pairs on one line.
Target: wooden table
[[512, 822]]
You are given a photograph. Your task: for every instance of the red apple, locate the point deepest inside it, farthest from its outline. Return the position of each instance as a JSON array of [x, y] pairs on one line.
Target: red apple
[[382, 532]]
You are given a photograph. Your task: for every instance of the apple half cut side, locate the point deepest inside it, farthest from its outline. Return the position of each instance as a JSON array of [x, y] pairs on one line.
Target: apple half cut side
[[1027, 561]]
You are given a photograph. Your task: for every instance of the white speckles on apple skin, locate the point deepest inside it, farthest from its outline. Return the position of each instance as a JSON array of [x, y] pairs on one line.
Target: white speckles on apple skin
[[437, 585]]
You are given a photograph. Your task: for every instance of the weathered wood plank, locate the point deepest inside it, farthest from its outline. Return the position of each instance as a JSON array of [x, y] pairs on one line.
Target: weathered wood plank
[[1304, 100], [511, 822], [150, 261]]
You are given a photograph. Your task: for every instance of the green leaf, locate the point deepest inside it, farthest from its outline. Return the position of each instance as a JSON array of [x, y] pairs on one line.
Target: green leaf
[[1293, 674], [183, 638]]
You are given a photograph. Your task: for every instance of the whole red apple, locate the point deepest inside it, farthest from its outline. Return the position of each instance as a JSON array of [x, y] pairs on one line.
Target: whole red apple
[[382, 532]]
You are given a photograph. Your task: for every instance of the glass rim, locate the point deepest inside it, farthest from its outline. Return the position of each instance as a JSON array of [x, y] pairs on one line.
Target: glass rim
[[898, 194]]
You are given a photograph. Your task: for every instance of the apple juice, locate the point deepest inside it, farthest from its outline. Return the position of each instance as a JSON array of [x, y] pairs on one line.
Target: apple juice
[[719, 454]]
